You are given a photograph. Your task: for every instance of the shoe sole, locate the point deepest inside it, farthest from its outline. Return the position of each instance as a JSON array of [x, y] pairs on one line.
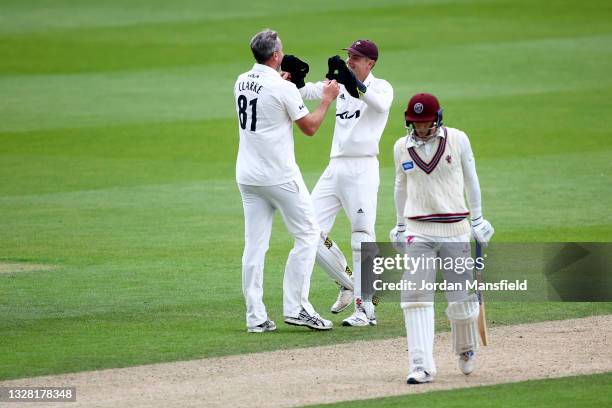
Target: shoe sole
[[260, 330], [414, 381], [347, 324], [303, 324], [468, 373], [369, 323], [340, 310]]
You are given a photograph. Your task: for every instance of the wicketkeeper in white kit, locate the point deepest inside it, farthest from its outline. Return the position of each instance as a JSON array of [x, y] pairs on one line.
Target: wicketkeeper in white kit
[[269, 179], [351, 179], [434, 168]]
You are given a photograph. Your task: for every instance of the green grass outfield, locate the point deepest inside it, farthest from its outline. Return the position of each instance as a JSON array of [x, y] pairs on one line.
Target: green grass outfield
[[118, 140], [570, 392]]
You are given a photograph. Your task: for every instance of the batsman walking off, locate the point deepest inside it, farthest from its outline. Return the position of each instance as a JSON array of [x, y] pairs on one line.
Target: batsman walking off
[[351, 179], [269, 179], [434, 167]]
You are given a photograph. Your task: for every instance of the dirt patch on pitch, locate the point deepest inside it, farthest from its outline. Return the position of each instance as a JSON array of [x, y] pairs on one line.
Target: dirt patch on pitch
[[341, 372], [17, 267]]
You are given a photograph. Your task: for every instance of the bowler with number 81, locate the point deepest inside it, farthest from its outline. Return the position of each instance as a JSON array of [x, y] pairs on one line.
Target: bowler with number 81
[[269, 179]]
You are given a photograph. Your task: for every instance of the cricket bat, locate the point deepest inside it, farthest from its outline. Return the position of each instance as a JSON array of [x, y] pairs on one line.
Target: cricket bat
[[482, 322]]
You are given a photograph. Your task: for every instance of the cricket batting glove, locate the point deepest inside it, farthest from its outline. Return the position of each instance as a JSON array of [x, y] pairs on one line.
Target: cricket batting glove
[[397, 233], [482, 231], [297, 68]]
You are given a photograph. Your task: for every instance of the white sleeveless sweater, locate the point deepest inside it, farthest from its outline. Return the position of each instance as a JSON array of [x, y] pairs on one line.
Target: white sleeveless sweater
[[435, 203]]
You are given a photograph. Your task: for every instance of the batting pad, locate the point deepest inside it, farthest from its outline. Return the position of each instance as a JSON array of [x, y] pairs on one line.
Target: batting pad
[[332, 260], [463, 317], [419, 320]]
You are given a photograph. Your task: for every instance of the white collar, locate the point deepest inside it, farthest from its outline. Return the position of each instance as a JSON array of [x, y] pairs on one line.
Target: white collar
[[264, 68], [369, 79], [412, 141]]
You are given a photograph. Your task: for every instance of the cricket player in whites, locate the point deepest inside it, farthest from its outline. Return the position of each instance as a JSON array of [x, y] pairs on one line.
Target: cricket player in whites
[[269, 179], [351, 179], [434, 168]]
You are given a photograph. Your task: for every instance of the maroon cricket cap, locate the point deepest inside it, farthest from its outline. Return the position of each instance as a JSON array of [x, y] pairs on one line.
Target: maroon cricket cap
[[422, 107], [365, 48]]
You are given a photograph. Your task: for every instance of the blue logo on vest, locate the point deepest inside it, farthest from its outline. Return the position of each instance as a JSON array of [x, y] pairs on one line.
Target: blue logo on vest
[[408, 165]]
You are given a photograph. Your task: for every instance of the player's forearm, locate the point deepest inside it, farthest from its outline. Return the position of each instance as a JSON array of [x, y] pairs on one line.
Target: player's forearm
[[399, 195], [472, 190], [310, 123], [471, 182], [378, 100], [312, 91]]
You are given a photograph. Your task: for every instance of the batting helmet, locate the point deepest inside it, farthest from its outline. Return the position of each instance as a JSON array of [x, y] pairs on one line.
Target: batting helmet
[[423, 107]]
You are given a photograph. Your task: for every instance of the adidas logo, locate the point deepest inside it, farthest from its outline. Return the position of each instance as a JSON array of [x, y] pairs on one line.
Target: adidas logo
[[360, 211]]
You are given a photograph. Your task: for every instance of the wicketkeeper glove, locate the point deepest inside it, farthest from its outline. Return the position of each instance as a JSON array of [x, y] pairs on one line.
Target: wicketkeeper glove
[[297, 68], [338, 70], [482, 231]]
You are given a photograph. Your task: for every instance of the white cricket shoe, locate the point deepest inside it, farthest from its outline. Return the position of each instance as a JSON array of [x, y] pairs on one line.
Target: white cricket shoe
[[266, 326], [314, 321], [419, 376], [364, 315], [370, 311], [345, 298], [467, 362], [357, 319]]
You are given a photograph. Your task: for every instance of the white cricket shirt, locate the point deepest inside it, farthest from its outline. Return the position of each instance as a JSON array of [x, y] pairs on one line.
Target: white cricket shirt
[[359, 122], [266, 106]]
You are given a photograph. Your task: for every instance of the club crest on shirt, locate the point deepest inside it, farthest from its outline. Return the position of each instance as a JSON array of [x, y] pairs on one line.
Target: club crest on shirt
[[449, 159], [408, 165]]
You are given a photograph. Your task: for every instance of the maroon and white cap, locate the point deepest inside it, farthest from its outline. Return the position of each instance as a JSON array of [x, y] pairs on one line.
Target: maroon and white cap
[[365, 48]]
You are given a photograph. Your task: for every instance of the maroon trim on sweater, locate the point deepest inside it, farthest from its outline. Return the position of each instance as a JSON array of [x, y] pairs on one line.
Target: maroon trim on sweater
[[429, 167], [445, 218]]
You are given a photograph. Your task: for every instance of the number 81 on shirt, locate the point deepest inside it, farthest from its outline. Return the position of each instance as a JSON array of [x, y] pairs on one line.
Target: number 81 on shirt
[[242, 112]]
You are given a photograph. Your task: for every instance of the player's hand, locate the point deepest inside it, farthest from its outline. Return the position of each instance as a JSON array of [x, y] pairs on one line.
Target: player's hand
[[482, 231], [396, 234], [286, 76], [296, 68], [331, 89], [338, 70]]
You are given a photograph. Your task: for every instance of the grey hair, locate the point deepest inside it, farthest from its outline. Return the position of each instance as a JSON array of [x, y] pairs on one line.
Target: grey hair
[[264, 44]]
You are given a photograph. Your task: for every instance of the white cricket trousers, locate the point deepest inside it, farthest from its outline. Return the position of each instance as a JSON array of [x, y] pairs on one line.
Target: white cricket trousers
[[295, 205], [419, 307], [350, 183]]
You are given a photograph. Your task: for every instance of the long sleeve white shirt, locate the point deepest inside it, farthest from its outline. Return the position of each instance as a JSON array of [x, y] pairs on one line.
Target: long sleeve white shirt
[[359, 122]]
